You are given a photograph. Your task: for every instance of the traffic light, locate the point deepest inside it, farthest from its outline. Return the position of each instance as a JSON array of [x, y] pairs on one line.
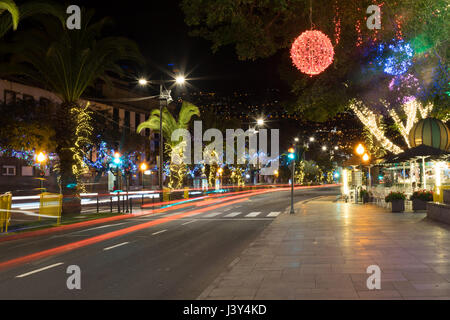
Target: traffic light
[[291, 154]]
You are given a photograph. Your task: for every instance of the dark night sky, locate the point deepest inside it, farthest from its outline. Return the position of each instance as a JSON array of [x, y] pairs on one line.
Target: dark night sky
[[159, 29]]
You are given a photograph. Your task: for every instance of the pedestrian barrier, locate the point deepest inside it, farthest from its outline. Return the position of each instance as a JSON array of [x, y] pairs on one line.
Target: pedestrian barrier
[[438, 193], [51, 205], [186, 193], [5, 211]]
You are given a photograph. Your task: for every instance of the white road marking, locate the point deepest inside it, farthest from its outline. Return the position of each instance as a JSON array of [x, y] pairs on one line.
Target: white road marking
[[39, 270], [214, 214], [253, 214], [101, 227], [154, 234], [274, 214], [233, 214], [115, 246], [183, 224]]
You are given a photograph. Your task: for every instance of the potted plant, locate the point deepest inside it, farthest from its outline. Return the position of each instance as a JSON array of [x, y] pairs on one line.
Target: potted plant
[[398, 201], [420, 198]]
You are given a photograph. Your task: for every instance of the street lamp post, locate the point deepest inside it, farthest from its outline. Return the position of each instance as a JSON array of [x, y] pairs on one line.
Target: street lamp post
[[259, 123], [360, 150], [143, 168], [179, 80], [41, 158]]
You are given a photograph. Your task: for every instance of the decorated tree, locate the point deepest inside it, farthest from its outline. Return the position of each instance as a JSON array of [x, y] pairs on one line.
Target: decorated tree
[[364, 59]]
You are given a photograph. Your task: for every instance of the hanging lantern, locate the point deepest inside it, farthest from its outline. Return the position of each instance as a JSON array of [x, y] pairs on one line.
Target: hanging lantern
[[430, 132], [312, 52]]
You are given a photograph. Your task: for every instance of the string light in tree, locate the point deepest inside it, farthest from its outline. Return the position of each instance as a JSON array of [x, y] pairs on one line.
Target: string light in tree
[[312, 52], [337, 24], [372, 122]]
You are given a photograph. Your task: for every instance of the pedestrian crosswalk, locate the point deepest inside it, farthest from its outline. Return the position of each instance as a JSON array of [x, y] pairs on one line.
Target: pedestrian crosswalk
[[212, 215], [226, 215], [253, 214]]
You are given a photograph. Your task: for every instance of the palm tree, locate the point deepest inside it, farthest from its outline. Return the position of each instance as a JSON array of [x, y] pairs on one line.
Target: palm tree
[[27, 10], [67, 62], [169, 125], [10, 6]]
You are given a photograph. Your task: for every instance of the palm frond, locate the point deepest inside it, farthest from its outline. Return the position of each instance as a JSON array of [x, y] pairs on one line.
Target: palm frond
[[13, 10], [69, 61], [188, 110]]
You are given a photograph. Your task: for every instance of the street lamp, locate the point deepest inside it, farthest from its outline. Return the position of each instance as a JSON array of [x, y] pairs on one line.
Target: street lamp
[[143, 168], [365, 157], [312, 139], [324, 148], [143, 82], [296, 139], [179, 80], [360, 149], [41, 158], [259, 123]]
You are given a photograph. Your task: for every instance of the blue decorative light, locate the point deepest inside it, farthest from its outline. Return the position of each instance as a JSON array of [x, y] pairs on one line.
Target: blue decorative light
[[395, 59]]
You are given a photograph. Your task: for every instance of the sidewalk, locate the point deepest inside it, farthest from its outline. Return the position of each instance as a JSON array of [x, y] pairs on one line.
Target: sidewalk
[[323, 251]]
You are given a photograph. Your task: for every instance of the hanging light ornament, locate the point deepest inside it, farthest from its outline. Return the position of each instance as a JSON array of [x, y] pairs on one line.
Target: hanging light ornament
[[312, 52]]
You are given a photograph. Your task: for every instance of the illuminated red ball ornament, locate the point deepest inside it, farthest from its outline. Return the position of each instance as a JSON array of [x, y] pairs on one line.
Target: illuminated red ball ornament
[[312, 52]]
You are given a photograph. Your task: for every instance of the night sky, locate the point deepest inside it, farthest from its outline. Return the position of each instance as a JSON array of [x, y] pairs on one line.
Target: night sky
[[163, 37]]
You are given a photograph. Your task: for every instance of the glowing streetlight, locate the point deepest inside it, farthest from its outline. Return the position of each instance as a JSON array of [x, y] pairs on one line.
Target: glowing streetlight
[[360, 149], [365, 157], [296, 139], [324, 148], [41, 157], [180, 80], [143, 168], [336, 148], [143, 82], [220, 171], [312, 139], [260, 122]]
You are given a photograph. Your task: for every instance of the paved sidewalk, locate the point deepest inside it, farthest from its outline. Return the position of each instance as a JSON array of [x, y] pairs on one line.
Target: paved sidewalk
[[323, 251]]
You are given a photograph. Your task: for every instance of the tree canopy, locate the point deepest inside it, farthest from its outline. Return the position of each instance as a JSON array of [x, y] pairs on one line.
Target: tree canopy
[[260, 28]]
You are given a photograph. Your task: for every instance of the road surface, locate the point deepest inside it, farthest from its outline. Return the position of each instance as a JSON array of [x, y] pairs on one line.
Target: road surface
[[171, 255]]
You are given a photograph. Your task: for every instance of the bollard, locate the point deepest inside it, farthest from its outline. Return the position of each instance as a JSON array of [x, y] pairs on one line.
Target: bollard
[[131, 205], [110, 202], [97, 205], [118, 202], [142, 199]]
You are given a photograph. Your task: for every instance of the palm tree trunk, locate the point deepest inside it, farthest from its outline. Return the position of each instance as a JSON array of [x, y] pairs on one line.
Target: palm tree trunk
[[65, 139]]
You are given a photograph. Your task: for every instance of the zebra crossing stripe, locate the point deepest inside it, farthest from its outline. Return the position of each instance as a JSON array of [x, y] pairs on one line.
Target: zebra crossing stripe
[[274, 214], [253, 214], [233, 214], [213, 214]]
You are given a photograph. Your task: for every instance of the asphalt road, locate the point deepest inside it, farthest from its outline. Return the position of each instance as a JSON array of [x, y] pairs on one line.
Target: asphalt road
[[175, 259]]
